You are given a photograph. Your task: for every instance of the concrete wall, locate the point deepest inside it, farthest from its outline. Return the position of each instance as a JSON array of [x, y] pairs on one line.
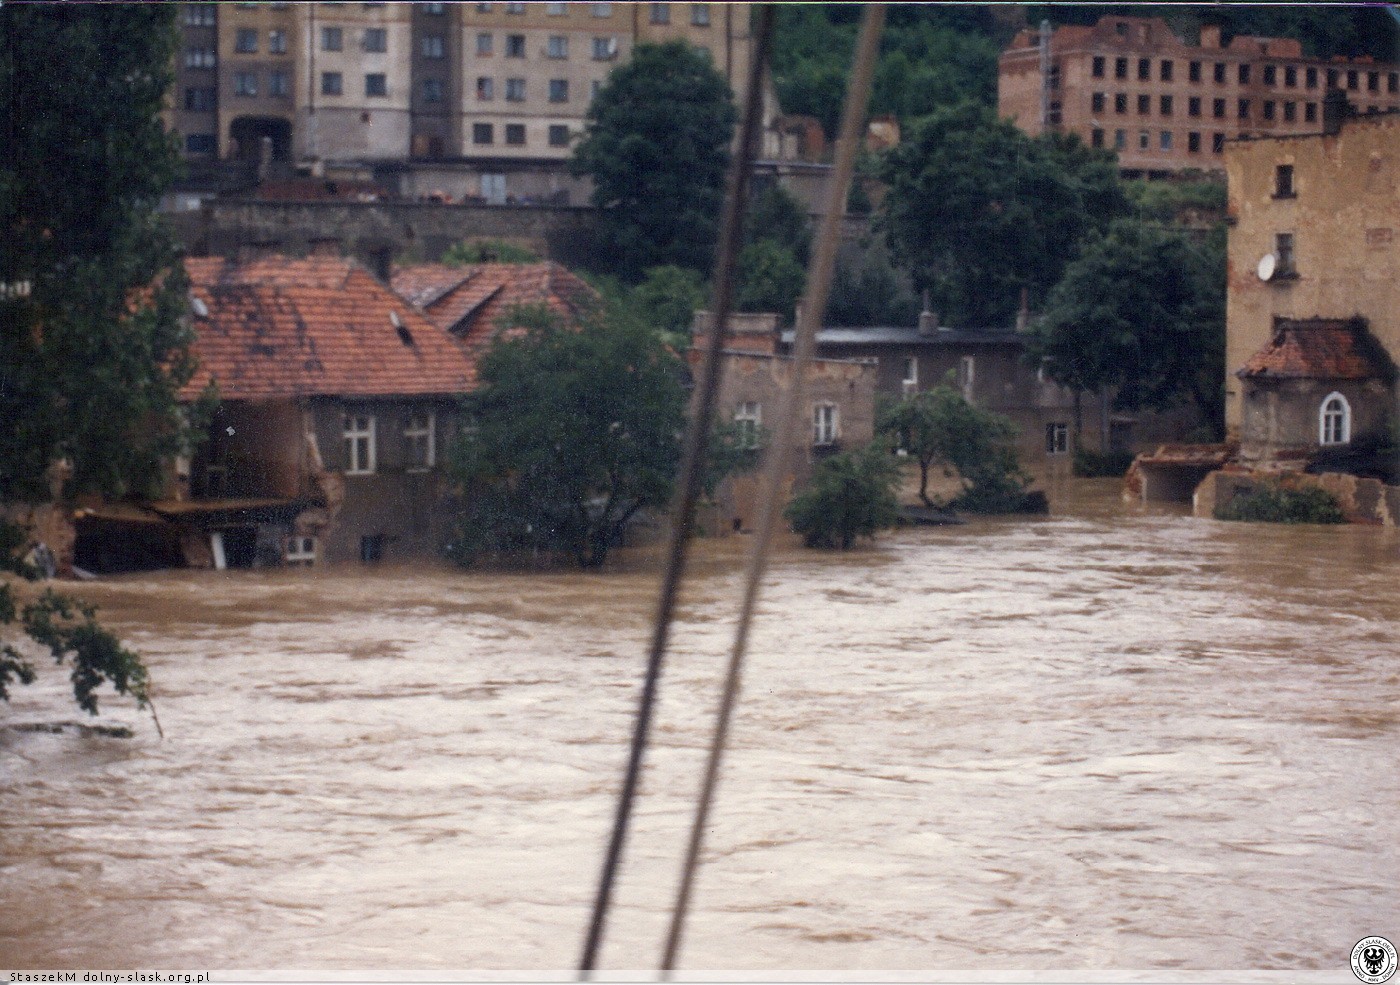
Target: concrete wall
[[1361, 500], [1281, 418]]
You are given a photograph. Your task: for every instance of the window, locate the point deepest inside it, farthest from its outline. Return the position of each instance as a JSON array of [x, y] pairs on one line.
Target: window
[[515, 8], [660, 13], [1220, 72], [1120, 102], [824, 421], [332, 84], [485, 89], [1310, 112], [200, 143], [1217, 143], [515, 46], [1098, 66], [432, 8], [1098, 102], [1270, 75], [483, 44], [1283, 255], [748, 419], [1193, 142], [246, 41], [493, 188], [1332, 77], [967, 375], [911, 373], [376, 39], [200, 100], [558, 46], [558, 135], [278, 84], [1144, 140], [1352, 79], [1290, 76], [1244, 74], [558, 90], [1096, 137], [556, 9], [332, 39], [434, 46], [1217, 109], [1311, 76], [593, 88], [277, 42], [1373, 82], [199, 58], [1120, 139], [299, 550], [376, 84], [1290, 112], [1056, 438], [700, 14], [245, 83], [1144, 69], [359, 444], [483, 133], [1166, 69], [419, 437], [432, 90], [1193, 106], [1283, 181], [515, 90], [515, 134], [1334, 420], [602, 9], [1144, 104], [199, 15], [604, 48], [1193, 71], [1268, 109], [1165, 140], [1244, 109], [1392, 82], [1120, 68], [484, 8], [1166, 105]]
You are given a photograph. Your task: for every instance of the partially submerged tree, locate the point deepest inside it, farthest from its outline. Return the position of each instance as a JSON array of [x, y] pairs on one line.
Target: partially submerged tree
[[1141, 313], [94, 345], [657, 148], [940, 427], [574, 429], [852, 494]]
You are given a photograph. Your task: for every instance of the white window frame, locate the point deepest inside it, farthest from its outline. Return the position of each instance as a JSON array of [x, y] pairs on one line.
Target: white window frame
[[826, 424], [300, 549], [427, 434], [910, 381], [1334, 424], [1056, 438], [748, 418], [967, 376], [359, 436]]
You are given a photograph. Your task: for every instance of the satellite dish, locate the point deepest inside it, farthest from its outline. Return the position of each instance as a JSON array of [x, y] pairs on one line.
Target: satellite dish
[[201, 309], [1267, 265]]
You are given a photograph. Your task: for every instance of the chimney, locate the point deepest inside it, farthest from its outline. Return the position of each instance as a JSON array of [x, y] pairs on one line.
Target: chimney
[[1335, 108], [1210, 36], [928, 323]]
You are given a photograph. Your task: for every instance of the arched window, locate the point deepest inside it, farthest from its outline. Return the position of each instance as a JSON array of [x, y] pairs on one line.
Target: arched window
[[1334, 420]]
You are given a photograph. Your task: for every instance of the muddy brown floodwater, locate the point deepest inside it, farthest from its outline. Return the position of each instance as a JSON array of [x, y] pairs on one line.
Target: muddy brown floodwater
[[1108, 738]]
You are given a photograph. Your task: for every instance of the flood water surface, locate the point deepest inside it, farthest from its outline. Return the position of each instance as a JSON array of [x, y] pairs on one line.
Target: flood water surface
[[1103, 739]]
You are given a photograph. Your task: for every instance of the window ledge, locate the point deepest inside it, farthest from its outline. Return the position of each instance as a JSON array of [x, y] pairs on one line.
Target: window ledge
[[1279, 195]]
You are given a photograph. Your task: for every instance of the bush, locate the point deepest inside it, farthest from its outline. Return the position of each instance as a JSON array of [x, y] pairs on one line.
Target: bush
[[852, 495], [1098, 464], [1273, 504], [488, 251]]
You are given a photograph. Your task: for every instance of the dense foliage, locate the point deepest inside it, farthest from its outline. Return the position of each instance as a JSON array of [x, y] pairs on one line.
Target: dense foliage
[[657, 147], [572, 431], [1141, 312], [488, 251], [940, 427], [1271, 503], [93, 348], [852, 494], [979, 213]]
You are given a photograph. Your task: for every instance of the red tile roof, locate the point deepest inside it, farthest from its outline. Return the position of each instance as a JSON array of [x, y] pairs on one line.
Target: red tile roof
[[470, 301], [283, 327], [1320, 348]]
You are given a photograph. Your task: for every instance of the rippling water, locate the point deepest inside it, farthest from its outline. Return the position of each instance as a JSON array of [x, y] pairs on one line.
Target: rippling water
[[1104, 739]]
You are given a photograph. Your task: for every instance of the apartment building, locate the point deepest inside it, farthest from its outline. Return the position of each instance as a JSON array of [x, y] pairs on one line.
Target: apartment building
[[428, 81], [1130, 84]]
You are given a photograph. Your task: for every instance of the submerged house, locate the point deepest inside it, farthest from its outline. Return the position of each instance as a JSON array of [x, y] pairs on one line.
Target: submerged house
[[337, 402]]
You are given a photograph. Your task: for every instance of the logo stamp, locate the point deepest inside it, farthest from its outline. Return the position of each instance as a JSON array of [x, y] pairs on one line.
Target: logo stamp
[[1373, 960]]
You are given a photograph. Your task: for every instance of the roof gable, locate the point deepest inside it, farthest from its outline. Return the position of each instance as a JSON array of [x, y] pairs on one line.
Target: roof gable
[[469, 301], [1320, 348]]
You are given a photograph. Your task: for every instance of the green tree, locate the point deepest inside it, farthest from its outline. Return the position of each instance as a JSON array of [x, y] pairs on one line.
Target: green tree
[[573, 430], [978, 212], [92, 300], [68, 629], [779, 216], [940, 427], [667, 299], [656, 145], [1142, 313], [852, 494], [488, 251], [770, 279]]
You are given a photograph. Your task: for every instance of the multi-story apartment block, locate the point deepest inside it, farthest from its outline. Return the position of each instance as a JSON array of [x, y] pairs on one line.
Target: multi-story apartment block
[[428, 81], [1129, 83]]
